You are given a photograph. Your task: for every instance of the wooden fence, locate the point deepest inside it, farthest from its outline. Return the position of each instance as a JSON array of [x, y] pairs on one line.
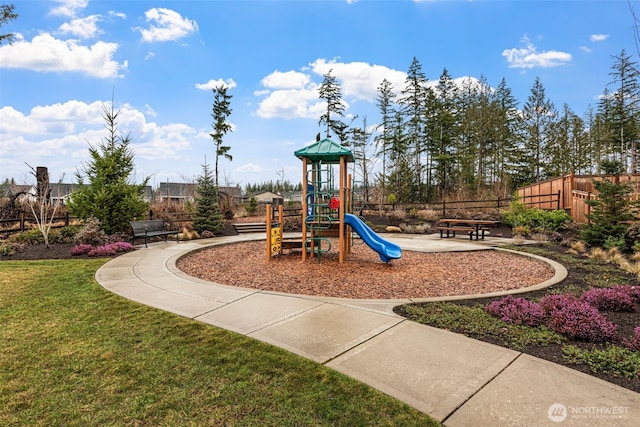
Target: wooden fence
[[28, 222], [573, 192]]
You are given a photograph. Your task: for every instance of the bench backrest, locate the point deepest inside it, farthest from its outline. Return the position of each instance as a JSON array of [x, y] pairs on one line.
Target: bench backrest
[[139, 227]]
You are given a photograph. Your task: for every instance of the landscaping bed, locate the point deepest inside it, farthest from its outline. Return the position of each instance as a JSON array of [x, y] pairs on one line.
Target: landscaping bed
[[609, 360]]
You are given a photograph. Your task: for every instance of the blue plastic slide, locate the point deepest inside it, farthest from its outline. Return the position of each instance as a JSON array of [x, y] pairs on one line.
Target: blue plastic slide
[[384, 248]]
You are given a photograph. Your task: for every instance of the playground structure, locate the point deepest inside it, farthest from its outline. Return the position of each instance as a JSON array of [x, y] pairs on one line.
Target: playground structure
[[326, 213]]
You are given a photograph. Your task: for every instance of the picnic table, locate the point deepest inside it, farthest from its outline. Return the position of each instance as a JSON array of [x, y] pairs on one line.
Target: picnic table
[[472, 227]]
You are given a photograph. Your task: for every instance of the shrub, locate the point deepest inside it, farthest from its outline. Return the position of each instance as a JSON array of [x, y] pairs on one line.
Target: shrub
[[516, 310], [81, 249], [10, 248], [102, 250], [579, 320], [535, 219], [105, 250], [29, 237], [564, 314], [634, 342], [617, 298], [91, 233], [122, 246]]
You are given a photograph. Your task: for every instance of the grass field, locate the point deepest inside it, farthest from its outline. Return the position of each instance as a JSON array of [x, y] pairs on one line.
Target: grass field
[[74, 354]]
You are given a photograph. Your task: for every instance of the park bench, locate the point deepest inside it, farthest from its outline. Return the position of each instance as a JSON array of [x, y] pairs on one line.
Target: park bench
[[150, 228]]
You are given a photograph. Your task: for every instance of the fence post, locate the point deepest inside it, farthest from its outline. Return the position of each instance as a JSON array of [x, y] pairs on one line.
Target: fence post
[[150, 214], [22, 222], [66, 219], [558, 208]]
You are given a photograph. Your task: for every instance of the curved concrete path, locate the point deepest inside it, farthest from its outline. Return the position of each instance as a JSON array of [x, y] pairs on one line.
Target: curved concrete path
[[457, 380]]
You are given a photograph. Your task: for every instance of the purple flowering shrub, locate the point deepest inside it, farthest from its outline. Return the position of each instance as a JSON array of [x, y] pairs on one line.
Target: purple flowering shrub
[[564, 314], [81, 249], [617, 298], [579, 320], [516, 310], [634, 342], [103, 250], [122, 246]]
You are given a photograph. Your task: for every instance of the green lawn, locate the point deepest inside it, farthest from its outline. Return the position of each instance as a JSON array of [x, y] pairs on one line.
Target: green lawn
[[74, 354]]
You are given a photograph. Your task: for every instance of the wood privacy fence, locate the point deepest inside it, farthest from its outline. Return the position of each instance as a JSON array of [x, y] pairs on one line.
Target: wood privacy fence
[[572, 192]]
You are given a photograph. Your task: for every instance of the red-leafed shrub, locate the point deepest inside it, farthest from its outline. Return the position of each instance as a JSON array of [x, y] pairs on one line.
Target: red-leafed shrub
[[81, 249], [617, 298], [516, 310], [634, 342]]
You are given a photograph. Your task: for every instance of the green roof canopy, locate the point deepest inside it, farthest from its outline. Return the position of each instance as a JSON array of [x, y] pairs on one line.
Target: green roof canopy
[[325, 151]]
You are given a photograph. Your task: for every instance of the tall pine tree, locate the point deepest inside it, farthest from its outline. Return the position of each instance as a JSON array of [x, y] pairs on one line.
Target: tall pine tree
[[331, 92], [221, 111]]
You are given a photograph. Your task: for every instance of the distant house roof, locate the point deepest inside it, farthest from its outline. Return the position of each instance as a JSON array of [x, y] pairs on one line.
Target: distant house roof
[[176, 190], [325, 151], [184, 190], [8, 189], [231, 191], [60, 191]]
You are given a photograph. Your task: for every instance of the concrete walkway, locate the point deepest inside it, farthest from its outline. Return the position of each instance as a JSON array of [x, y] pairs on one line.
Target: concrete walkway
[[457, 380]]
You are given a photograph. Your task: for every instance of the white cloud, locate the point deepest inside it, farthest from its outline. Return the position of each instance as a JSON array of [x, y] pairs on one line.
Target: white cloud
[[286, 80], [82, 27], [585, 49], [249, 168], [46, 53], [120, 15], [359, 79], [68, 7], [294, 94], [291, 103], [598, 37], [212, 84], [166, 25], [58, 136], [529, 57]]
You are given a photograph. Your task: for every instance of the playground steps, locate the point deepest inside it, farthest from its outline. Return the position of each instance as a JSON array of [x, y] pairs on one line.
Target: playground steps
[[251, 227]]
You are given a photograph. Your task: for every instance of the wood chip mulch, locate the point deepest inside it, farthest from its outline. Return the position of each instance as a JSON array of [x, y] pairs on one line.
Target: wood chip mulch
[[363, 275]]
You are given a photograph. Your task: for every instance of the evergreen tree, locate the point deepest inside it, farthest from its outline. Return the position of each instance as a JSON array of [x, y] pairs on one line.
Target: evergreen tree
[[221, 111], [414, 102], [508, 125], [331, 92], [559, 150], [208, 216], [538, 113], [109, 195], [625, 98], [612, 211], [442, 131], [7, 14], [384, 101]]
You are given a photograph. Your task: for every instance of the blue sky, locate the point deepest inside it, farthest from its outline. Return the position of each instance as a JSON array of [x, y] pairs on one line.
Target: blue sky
[[160, 59]]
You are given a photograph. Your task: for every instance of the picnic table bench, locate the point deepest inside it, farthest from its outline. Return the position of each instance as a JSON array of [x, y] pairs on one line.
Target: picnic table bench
[[150, 228], [472, 227]]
